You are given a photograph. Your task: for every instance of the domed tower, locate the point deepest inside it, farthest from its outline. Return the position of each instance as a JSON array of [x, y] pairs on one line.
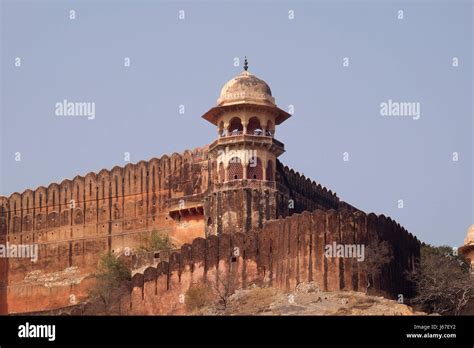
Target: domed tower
[[244, 189], [468, 248]]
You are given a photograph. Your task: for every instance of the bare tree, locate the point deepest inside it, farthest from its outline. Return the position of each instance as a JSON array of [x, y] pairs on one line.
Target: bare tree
[[215, 292], [224, 287], [443, 282], [378, 254]]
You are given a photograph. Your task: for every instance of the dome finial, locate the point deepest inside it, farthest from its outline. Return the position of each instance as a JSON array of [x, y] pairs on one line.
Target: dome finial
[[246, 64]]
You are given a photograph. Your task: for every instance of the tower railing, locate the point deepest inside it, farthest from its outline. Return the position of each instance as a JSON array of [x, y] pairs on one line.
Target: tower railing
[[246, 137], [259, 133]]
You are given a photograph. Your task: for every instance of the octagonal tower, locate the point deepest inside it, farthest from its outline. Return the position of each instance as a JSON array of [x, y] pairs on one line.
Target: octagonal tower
[[244, 192]]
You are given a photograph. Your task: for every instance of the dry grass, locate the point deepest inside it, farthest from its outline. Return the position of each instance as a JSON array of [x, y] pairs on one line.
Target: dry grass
[[255, 301]]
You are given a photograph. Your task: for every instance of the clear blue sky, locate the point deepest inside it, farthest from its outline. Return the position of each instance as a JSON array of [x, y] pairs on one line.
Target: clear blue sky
[[187, 61]]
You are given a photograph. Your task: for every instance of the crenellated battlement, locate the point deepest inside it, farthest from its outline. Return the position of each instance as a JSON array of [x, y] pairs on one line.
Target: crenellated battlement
[[282, 254], [74, 222], [87, 196], [301, 184], [101, 183], [307, 194]]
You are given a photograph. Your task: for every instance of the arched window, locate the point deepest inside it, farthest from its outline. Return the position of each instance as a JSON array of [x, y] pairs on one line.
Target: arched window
[[254, 127], [235, 171], [221, 172], [235, 126], [269, 172], [254, 169]]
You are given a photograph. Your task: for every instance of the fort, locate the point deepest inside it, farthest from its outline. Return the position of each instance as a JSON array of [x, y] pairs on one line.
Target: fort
[[210, 201]]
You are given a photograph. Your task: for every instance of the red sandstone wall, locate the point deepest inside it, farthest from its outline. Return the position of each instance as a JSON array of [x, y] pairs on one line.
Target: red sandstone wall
[[110, 210], [115, 209], [306, 194], [284, 253], [34, 298]]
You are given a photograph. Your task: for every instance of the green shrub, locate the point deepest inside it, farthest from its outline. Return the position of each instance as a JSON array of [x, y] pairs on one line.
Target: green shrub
[[112, 281], [156, 242]]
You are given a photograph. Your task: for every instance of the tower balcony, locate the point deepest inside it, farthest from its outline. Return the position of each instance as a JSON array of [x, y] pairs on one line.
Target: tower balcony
[[249, 140]]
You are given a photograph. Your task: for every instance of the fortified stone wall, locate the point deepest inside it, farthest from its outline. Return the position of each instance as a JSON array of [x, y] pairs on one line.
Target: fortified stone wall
[[75, 221], [282, 254], [307, 195]]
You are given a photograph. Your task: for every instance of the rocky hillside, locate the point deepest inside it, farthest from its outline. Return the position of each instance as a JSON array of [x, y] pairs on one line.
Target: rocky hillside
[[306, 300]]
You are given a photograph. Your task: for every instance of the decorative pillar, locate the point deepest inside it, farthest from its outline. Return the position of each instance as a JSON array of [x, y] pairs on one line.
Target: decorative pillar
[[264, 168], [244, 165], [226, 172], [226, 129]]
